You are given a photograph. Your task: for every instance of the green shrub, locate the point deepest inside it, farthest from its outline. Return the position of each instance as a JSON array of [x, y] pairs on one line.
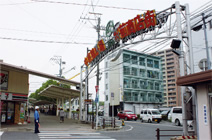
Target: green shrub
[[138, 115]]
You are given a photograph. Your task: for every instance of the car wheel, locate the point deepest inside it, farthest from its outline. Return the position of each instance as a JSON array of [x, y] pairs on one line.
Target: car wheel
[[158, 121], [125, 118], [141, 120], [149, 121], [135, 120], [177, 122]]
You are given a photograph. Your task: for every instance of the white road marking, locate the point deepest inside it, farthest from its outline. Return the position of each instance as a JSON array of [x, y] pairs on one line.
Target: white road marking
[[130, 128], [1, 133], [70, 135]]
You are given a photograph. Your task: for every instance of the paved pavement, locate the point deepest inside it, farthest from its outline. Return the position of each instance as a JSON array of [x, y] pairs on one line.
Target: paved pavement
[[48, 122], [51, 128]]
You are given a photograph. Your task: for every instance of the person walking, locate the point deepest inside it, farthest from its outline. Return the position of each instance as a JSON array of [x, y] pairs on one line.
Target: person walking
[[36, 117], [62, 114]]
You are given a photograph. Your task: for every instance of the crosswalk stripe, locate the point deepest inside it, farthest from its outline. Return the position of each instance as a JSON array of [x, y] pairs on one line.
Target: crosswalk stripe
[[1, 133], [67, 135]]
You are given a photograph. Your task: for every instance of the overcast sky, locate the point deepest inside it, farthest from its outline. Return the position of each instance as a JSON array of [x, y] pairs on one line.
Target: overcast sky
[[27, 25]]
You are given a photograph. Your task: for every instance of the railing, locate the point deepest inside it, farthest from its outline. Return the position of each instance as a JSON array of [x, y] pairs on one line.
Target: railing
[[158, 135]]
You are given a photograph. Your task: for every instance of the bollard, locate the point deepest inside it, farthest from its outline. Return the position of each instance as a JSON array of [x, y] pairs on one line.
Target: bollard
[[104, 123], [114, 123], [123, 123], [158, 133]]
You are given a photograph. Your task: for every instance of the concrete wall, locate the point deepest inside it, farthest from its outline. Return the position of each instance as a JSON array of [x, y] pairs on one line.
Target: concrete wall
[[136, 108], [203, 99]]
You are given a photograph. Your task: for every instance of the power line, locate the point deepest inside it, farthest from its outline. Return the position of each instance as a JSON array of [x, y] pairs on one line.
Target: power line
[[10, 4], [45, 41], [40, 32], [79, 4]]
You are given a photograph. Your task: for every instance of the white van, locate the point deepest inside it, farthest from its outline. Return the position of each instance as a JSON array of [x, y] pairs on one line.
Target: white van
[[150, 115], [175, 115]]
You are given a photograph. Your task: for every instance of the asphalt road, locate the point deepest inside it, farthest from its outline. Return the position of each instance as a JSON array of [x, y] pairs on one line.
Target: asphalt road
[[135, 130]]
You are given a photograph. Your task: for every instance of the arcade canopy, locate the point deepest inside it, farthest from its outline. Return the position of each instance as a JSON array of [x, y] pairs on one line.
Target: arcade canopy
[[59, 92]]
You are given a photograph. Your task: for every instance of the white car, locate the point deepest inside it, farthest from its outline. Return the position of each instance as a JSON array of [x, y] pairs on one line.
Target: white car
[[150, 115]]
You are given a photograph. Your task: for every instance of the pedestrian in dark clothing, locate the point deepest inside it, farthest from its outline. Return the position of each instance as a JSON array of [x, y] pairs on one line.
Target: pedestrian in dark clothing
[[36, 117], [62, 114], [29, 111]]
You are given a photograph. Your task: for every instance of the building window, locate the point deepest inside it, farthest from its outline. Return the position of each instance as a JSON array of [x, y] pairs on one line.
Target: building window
[[106, 75], [126, 58], [127, 96], [106, 97], [134, 72], [158, 98], [141, 61], [135, 96], [126, 70], [150, 74], [150, 85], [126, 83], [157, 86], [149, 63], [156, 75], [156, 64], [134, 83], [151, 97], [142, 73], [143, 97], [134, 60], [143, 84]]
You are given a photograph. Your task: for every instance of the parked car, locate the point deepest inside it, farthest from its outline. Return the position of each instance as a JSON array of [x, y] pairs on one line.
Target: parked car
[[164, 114], [150, 115], [127, 115], [176, 115]]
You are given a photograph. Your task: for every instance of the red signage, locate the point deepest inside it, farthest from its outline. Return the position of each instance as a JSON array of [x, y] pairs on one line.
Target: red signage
[[97, 88], [125, 31]]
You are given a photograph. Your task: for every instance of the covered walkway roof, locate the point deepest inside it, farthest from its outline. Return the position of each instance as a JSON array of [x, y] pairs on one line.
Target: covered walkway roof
[[6, 66], [59, 92]]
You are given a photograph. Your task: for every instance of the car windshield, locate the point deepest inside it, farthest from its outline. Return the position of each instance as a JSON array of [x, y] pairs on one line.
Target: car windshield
[[155, 112], [164, 112], [129, 113]]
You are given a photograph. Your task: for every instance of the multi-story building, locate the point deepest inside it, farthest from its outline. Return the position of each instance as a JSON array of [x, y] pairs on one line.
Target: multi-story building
[[133, 81], [171, 70]]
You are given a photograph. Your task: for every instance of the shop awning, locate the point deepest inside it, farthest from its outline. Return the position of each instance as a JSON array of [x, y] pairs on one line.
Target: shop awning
[[196, 78], [59, 92]]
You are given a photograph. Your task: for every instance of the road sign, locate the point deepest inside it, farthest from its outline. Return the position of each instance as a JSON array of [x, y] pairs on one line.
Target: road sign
[[97, 88], [88, 101], [96, 99]]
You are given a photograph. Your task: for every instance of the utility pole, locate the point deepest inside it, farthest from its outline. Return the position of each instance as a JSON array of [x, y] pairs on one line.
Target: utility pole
[[58, 60], [182, 67], [87, 87], [206, 42], [97, 76]]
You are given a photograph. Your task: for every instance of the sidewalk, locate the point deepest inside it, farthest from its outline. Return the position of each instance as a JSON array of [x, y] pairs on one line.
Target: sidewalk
[[48, 123]]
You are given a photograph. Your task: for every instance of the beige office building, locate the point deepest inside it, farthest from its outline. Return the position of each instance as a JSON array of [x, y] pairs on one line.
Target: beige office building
[[171, 70]]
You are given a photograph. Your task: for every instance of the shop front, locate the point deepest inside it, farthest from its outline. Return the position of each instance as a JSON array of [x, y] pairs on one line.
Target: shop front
[[13, 108]]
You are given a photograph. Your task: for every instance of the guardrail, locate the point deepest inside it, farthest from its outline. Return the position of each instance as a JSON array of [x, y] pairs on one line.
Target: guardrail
[[158, 135]]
